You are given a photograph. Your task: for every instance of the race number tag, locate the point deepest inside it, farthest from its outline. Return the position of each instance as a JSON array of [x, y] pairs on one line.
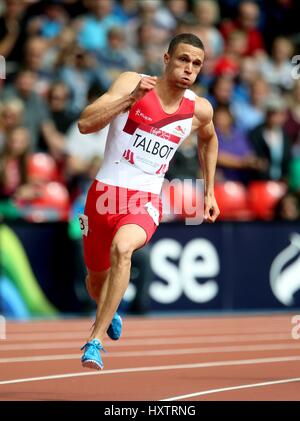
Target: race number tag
[[151, 149], [84, 224], [153, 212]]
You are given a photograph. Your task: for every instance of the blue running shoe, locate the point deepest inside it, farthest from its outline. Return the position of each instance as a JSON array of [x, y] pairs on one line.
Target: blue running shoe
[[91, 357], [114, 330]]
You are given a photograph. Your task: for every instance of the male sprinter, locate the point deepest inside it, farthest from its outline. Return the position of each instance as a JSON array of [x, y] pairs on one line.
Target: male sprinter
[[149, 118]]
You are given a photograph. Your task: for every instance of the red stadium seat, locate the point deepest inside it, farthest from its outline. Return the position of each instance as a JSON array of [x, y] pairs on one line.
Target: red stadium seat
[[53, 204], [42, 167], [263, 197], [232, 200]]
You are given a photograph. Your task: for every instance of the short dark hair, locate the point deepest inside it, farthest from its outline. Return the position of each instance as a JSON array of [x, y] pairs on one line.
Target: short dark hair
[[185, 38]]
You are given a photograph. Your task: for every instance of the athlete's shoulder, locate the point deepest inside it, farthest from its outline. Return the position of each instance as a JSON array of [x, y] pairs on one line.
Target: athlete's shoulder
[[125, 82], [203, 110], [128, 77]]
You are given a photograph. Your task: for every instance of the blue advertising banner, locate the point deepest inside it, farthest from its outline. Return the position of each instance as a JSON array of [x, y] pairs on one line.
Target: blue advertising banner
[[267, 266], [236, 266], [224, 266]]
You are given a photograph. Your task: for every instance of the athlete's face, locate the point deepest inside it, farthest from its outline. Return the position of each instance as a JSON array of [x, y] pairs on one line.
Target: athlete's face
[[184, 65]]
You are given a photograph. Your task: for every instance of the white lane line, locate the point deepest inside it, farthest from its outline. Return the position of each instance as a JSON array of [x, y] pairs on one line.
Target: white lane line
[[157, 353], [290, 358], [26, 337], [152, 341], [12, 337], [31, 336], [227, 389], [151, 323]]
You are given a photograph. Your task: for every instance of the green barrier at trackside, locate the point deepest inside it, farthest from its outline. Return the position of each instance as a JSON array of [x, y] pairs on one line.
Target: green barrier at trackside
[[15, 265]]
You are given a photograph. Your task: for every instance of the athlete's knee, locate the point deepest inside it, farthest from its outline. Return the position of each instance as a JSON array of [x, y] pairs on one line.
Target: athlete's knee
[[121, 251]]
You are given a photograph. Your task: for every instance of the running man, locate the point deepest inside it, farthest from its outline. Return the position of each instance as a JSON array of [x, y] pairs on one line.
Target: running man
[[149, 118]]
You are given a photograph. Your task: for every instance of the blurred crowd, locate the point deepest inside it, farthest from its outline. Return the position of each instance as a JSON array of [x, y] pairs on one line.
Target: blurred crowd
[[61, 55]]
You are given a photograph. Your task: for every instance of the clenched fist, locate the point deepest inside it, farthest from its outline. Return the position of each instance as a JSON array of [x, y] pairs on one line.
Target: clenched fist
[[145, 85]]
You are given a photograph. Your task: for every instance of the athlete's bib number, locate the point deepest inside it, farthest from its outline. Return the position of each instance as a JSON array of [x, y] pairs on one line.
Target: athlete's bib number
[[84, 224], [151, 149]]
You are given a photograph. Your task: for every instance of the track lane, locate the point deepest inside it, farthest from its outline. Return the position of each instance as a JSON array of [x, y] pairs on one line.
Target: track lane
[[205, 341]]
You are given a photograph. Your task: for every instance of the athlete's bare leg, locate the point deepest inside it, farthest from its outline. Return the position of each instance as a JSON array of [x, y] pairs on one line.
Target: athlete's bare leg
[[96, 284], [127, 239]]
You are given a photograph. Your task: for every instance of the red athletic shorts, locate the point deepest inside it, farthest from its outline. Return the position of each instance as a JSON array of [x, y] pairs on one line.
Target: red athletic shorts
[[107, 209]]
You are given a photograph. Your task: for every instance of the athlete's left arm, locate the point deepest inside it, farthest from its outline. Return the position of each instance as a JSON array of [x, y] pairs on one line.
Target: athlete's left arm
[[208, 153]]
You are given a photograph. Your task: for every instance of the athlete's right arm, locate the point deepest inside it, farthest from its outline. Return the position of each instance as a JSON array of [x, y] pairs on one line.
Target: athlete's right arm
[[128, 88]]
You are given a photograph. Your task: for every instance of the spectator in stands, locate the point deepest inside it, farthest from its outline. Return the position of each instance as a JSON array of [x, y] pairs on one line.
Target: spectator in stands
[[292, 123], [288, 208], [178, 9], [247, 21], [11, 116], [187, 23], [58, 103], [248, 73], [13, 162], [281, 17], [221, 91], [277, 69], [153, 19], [118, 57], [34, 60], [36, 114], [84, 152], [163, 16], [152, 60], [149, 47], [74, 8], [126, 10], [185, 164], [229, 62], [250, 114], [207, 15], [92, 27], [271, 142], [156, 32], [236, 160], [12, 33], [51, 22], [63, 46], [79, 70]]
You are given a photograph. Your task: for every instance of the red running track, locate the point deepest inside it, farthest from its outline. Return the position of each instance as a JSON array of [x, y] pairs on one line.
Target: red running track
[[186, 359]]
